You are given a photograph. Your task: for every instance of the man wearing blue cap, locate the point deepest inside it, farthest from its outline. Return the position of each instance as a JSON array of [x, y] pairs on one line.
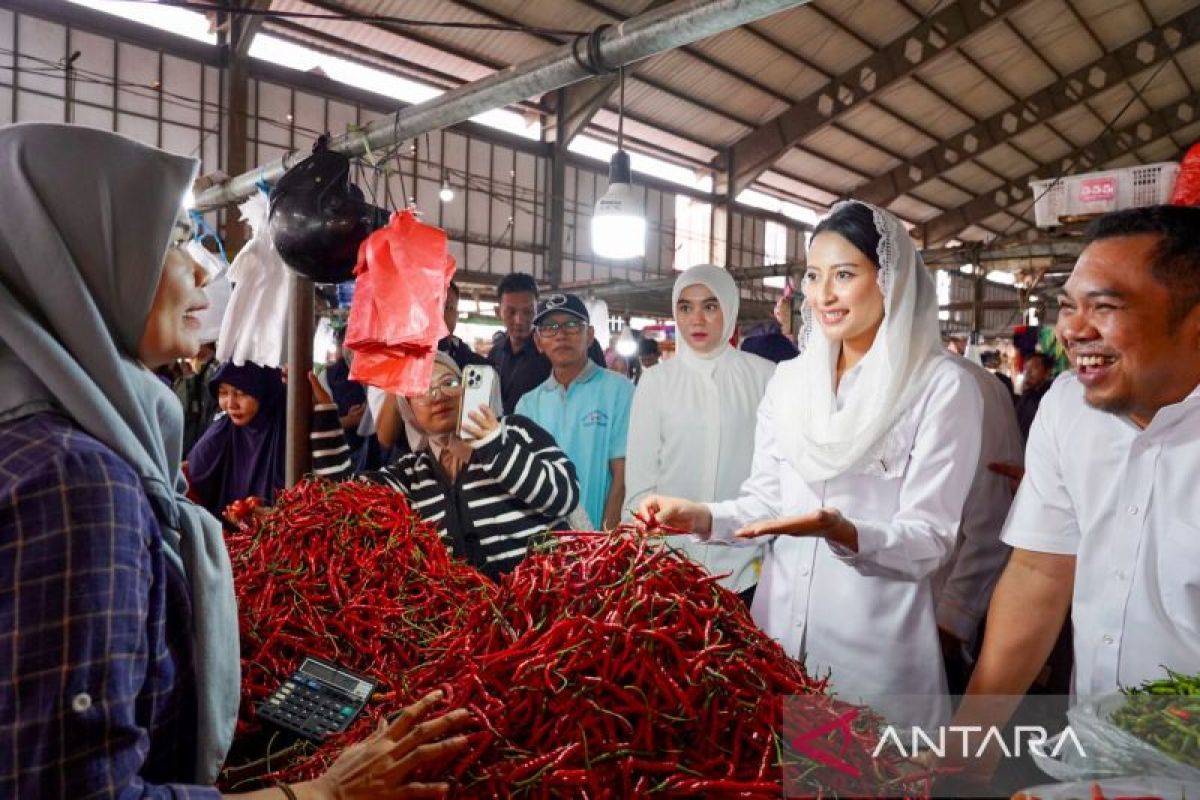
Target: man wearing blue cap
[[584, 407]]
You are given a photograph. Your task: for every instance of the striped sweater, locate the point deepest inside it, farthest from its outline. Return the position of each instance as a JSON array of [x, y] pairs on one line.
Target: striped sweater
[[517, 483]]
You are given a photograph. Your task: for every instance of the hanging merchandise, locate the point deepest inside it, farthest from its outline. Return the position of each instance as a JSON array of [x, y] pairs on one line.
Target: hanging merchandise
[[1187, 184], [396, 321], [254, 327], [598, 314], [318, 218]]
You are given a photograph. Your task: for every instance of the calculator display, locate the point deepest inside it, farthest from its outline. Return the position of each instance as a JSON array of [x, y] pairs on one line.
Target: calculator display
[[347, 683]]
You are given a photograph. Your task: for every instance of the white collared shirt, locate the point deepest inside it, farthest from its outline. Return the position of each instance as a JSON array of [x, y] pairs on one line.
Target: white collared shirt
[[964, 586], [1126, 503], [866, 616], [691, 434]]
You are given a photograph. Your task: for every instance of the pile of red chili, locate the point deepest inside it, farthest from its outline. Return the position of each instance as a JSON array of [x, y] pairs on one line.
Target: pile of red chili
[[346, 572], [611, 667], [603, 666]]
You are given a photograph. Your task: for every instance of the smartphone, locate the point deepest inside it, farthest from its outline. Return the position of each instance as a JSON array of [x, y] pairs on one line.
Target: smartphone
[[481, 387]]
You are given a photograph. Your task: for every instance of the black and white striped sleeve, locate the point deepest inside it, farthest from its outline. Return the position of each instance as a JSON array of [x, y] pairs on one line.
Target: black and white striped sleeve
[[526, 461], [327, 441]]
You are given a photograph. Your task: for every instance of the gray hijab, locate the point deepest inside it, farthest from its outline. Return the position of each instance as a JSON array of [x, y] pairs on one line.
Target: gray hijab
[[86, 224]]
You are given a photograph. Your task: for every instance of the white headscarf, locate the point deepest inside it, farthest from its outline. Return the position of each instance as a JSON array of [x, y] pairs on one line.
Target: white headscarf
[[418, 438], [822, 442], [722, 285]]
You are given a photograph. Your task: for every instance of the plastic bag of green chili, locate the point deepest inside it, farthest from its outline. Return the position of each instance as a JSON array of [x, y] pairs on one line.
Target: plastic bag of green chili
[[1153, 729], [1140, 786]]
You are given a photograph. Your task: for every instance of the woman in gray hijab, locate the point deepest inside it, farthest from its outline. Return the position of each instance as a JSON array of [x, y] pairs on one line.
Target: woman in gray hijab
[[119, 670]]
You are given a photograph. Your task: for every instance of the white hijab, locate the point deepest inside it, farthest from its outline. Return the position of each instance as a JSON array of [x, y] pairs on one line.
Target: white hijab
[[420, 439], [822, 442], [723, 287]]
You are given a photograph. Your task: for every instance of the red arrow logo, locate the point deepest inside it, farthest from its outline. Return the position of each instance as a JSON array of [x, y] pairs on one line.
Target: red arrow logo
[[805, 744]]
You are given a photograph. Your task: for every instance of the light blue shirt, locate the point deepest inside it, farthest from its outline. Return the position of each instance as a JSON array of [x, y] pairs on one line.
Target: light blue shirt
[[590, 420]]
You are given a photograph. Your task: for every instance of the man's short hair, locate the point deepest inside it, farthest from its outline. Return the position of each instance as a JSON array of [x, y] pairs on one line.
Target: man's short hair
[[517, 282], [1047, 360], [647, 347], [1176, 259], [454, 288]]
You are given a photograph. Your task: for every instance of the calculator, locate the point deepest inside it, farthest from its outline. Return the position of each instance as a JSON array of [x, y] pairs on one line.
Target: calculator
[[319, 699]]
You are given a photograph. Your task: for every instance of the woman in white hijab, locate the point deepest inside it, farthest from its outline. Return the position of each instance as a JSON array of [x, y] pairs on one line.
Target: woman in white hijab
[[691, 430], [864, 452], [121, 674]]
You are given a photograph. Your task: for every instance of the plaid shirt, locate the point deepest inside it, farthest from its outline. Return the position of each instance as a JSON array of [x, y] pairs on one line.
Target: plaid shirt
[[96, 685]]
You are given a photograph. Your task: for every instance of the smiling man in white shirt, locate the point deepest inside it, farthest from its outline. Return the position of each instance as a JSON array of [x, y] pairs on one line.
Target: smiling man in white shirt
[[1107, 519]]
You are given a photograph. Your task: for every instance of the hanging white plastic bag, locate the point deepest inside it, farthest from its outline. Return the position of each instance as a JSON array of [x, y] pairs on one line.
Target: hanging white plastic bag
[[254, 327]]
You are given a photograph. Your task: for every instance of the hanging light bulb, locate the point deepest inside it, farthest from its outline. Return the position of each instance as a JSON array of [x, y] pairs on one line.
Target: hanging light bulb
[[619, 222], [626, 343], [446, 194]]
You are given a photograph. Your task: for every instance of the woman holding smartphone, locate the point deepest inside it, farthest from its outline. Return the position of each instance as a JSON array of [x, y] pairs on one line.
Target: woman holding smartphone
[[488, 491], [865, 448]]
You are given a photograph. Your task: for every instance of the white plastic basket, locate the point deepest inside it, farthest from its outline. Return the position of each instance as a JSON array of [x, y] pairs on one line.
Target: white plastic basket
[[1101, 192]]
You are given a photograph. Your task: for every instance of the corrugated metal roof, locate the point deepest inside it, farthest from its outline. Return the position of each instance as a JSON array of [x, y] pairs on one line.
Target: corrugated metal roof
[[692, 104], [873, 124]]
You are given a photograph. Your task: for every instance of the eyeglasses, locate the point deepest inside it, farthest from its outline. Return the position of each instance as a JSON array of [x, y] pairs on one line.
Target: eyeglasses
[[451, 387], [548, 330]]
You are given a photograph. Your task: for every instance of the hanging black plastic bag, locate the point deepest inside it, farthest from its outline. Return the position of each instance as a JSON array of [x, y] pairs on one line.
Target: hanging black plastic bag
[[319, 218]]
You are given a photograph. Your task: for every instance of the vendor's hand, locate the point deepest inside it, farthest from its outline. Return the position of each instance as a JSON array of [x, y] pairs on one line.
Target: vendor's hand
[[381, 766], [826, 523], [480, 423], [1014, 473], [320, 396], [675, 512]]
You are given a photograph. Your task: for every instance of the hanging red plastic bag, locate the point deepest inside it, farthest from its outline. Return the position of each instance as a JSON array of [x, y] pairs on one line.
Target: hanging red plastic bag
[[407, 263], [396, 320], [1187, 184]]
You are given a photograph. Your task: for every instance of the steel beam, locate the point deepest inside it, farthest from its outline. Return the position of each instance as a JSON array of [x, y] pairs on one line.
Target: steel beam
[[1157, 45], [680, 23], [1108, 147], [755, 152]]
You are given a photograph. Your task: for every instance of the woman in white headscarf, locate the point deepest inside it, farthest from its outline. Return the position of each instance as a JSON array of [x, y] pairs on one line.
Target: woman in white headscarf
[[864, 451], [691, 430], [120, 674]]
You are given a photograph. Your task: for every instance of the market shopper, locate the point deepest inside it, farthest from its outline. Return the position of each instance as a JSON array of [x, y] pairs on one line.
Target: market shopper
[[584, 407], [350, 395], [521, 365], [648, 353], [865, 449], [691, 429], [119, 671], [487, 496], [241, 454], [200, 407], [450, 344], [1105, 521], [1038, 377]]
